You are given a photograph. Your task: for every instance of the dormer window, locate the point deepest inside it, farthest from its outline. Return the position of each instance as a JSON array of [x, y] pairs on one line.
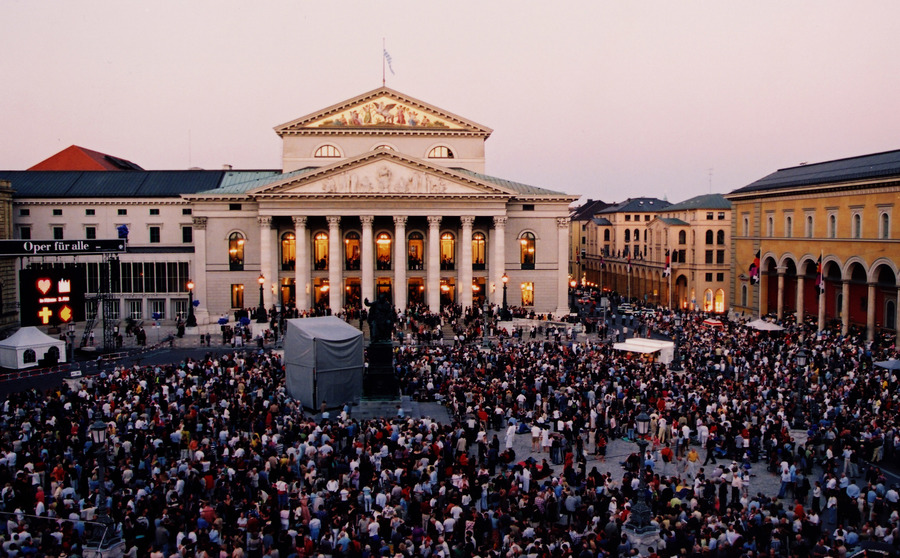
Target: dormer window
[[440, 152], [327, 151]]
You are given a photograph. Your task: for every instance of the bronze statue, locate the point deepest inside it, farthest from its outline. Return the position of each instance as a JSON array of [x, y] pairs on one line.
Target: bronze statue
[[381, 319]]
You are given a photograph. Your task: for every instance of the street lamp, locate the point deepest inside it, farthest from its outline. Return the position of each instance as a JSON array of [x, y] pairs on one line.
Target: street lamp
[[639, 520], [676, 358], [98, 437], [261, 309], [505, 313], [191, 318], [801, 359], [484, 327], [70, 333], [572, 284]]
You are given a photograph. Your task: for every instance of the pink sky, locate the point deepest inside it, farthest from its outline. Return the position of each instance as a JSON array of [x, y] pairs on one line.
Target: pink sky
[[604, 99]]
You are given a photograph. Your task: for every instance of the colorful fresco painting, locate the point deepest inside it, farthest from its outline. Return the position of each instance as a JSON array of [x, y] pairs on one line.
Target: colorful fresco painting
[[383, 112]]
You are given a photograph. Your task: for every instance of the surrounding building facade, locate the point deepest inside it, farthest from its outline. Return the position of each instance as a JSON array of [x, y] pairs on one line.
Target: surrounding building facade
[[583, 245], [380, 194], [8, 301], [840, 211]]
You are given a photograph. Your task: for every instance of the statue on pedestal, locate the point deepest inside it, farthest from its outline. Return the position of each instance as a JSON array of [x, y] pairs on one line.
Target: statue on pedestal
[[381, 319]]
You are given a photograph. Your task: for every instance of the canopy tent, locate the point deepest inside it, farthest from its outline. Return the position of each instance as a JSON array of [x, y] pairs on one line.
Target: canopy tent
[[323, 361], [892, 364], [666, 349], [762, 325], [30, 347], [712, 322]]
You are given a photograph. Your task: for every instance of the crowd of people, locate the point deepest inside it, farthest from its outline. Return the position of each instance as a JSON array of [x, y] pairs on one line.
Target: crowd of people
[[211, 458]]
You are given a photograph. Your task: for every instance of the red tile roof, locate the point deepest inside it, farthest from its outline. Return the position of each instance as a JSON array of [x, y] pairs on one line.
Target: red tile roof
[[75, 158]]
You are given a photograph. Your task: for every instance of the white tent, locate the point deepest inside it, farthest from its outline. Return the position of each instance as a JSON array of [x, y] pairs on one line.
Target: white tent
[[28, 346], [763, 325], [323, 360], [642, 345]]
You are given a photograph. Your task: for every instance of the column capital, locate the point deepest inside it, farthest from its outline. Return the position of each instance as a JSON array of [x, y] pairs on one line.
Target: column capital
[[367, 220], [264, 221], [400, 220], [434, 221], [299, 221], [562, 222], [199, 222], [334, 221], [500, 221], [467, 220]]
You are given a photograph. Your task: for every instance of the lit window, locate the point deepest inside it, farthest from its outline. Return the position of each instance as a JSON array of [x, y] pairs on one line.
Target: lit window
[[416, 251], [288, 251], [528, 294], [351, 251], [237, 296], [440, 152], [383, 252], [320, 251], [327, 151], [236, 251], [448, 251], [526, 245], [478, 251]]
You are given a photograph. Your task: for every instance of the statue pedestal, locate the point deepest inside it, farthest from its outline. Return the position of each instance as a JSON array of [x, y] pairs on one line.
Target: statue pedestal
[[379, 381]]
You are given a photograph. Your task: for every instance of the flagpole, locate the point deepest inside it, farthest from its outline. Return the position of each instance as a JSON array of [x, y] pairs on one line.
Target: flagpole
[[670, 278], [383, 49], [759, 283]]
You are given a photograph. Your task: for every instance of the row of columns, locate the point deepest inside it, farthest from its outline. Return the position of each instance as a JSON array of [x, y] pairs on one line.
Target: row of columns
[[845, 305]]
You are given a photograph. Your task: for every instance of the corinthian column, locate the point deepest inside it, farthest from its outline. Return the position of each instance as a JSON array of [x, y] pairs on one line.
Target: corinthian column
[[265, 257], [367, 258], [498, 259], [465, 270], [335, 261], [433, 289], [400, 262], [198, 273], [301, 264], [562, 270]]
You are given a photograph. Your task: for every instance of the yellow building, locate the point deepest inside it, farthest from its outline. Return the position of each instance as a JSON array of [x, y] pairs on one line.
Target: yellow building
[[841, 211], [584, 258]]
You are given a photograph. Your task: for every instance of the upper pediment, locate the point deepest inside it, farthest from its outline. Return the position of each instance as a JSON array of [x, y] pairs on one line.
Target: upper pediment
[[383, 109], [381, 173]]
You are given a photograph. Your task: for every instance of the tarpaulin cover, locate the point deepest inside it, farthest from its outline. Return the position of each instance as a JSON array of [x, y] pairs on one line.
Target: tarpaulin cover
[[323, 361]]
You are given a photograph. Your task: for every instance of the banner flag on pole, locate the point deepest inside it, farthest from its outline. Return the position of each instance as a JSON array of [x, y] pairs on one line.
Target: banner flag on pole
[[387, 57], [820, 281], [668, 270], [629, 262], [754, 269]]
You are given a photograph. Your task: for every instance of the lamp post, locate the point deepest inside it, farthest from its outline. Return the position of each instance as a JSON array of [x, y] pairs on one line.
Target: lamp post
[[676, 358], [572, 284], [504, 314], [191, 318], [98, 437], [70, 333], [801, 359], [261, 309], [639, 520], [484, 327]]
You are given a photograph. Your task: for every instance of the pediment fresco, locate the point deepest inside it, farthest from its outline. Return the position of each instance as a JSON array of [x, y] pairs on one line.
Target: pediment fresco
[[383, 112]]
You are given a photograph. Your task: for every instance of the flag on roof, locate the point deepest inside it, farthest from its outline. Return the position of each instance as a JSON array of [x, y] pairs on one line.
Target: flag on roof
[[387, 57], [754, 269]]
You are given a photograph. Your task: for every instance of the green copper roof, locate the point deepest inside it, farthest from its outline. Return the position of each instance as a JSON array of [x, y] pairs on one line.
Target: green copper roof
[[706, 201], [517, 187]]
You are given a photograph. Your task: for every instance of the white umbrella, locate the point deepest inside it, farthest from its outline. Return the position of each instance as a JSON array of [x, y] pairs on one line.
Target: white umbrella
[[763, 325]]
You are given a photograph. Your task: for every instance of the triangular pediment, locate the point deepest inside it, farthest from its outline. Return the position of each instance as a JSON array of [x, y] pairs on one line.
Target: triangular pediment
[[383, 109], [381, 173]]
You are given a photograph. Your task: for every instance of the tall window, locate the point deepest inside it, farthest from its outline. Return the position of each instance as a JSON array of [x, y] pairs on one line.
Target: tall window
[[857, 225], [478, 251], [720, 237], [327, 151], [320, 251], [627, 235], [351, 251], [682, 237], [743, 295], [154, 235], [528, 294], [746, 226], [789, 227], [809, 226], [526, 244], [383, 252], [832, 226], [440, 152], [236, 251], [416, 251], [709, 237], [885, 226], [605, 235], [237, 296], [770, 226], [288, 251], [90, 233], [448, 251]]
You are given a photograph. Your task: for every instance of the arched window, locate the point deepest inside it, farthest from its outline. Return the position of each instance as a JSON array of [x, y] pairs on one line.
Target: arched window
[[383, 251], [320, 251], [682, 237], [885, 226], [789, 227], [606, 235], [746, 226], [857, 225], [440, 152], [236, 243], [890, 314], [29, 356], [627, 235], [526, 245], [832, 226], [809, 226], [288, 251], [327, 151], [720, 237], [709, 237], [416, 251], [383, 146], [770, 226], [719, 305], [478, 251], [351, 251], [448, 251], [637, 235], [708, 300]]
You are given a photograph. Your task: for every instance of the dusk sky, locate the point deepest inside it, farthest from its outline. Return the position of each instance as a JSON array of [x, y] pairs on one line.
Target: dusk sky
[[604, 99]]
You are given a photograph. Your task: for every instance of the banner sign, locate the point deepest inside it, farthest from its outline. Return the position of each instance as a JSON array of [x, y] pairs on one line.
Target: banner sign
[[51, 296], [60, 247]]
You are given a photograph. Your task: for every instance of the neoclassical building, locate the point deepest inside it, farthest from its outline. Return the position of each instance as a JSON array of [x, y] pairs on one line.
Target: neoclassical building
[[379, 194], [840, 211]]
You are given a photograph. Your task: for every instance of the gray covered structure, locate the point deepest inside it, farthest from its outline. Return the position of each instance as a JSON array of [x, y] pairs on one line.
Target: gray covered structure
[[323, 361]]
